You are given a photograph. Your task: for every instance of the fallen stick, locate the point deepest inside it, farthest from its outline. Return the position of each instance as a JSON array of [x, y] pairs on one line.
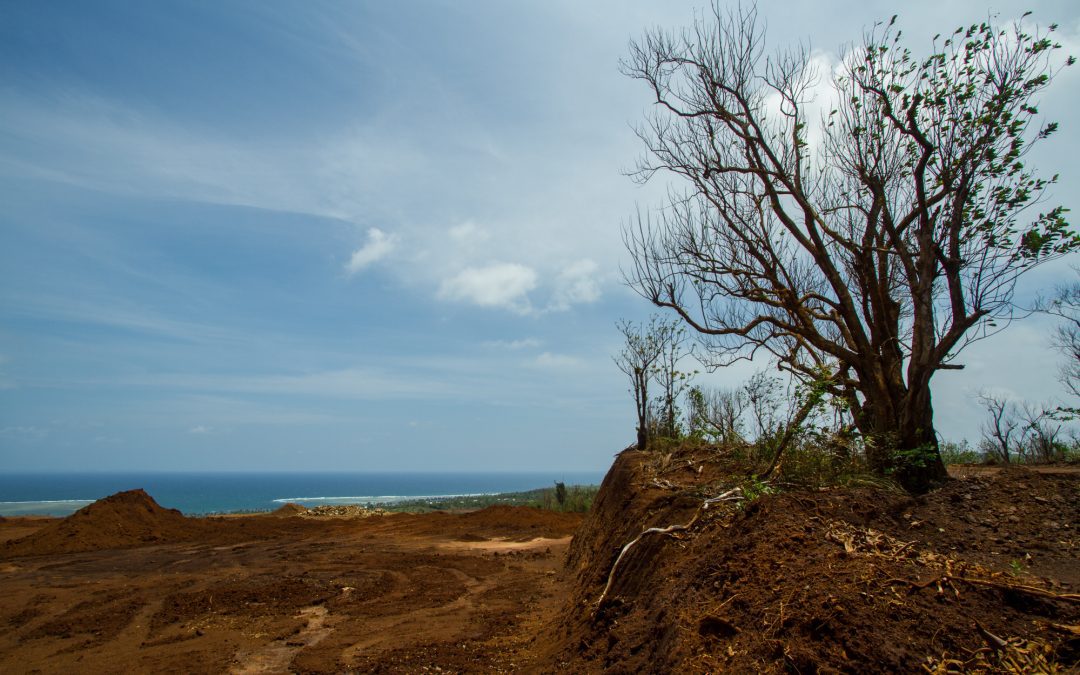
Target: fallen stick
[[1021, 588], [727, 496]]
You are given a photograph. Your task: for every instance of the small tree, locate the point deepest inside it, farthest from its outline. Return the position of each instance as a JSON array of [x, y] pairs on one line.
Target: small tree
[[716, 414], [1066, 305], [763, 394], [1027, 432], [671, 381], [1041, 434], [1000, 431], [644, 349], [877, 253]]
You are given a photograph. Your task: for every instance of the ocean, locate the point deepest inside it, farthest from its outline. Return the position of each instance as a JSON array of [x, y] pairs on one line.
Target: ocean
[[60, 494]]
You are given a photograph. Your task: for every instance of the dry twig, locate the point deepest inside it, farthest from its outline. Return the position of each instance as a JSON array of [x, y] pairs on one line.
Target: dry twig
[[731, 495]]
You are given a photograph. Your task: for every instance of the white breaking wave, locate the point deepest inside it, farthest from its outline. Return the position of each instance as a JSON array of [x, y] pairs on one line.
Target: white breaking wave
[[54, 501], [379, 498], [51, 507]]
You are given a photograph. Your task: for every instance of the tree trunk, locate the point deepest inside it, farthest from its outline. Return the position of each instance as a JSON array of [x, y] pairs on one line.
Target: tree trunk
[[901, 441], [641, 403]]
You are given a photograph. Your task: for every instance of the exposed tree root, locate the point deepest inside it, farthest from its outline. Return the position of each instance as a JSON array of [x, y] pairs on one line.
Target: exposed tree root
[[734, 494]]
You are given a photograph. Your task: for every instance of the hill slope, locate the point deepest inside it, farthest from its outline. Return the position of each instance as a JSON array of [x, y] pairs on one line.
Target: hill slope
[[123, 520], [848, 580]]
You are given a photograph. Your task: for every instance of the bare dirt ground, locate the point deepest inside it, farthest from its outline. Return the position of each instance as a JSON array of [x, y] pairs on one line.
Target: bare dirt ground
[[982, 575], [133, 587]]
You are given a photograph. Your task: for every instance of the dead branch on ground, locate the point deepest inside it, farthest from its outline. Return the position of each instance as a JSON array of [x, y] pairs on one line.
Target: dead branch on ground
[[734, 494]]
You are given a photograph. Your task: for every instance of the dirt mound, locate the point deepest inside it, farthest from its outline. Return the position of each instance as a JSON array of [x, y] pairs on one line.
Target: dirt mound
[[122, 520], [289, 509], [852, 580], [523, 522], [515, 523]]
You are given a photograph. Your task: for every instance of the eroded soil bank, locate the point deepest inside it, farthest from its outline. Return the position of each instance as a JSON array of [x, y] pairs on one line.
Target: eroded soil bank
[[983, 573]]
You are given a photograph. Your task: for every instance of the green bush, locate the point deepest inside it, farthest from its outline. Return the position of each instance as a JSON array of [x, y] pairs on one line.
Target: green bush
[[960, 453], [575, 498]]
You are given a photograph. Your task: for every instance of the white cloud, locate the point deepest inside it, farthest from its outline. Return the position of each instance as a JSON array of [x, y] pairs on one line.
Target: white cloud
[[513, 345], [361, 383], [468, 231], [103, 313], [200, 430], [503, 285], [549, 360], [378, 246], [576, 284]]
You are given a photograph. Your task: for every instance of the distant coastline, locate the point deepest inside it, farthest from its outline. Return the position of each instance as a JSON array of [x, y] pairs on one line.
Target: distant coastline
[[198, 494]]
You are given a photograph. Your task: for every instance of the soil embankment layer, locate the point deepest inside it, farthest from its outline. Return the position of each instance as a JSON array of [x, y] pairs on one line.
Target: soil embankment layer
[[981, 573]]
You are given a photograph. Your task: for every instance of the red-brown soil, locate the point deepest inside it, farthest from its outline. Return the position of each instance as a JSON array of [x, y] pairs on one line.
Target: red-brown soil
[[125, 585], [844, 580], [289, 509], [124, 520]]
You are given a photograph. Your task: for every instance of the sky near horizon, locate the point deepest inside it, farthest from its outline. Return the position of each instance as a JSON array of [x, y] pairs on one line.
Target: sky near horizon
[[365, 235]]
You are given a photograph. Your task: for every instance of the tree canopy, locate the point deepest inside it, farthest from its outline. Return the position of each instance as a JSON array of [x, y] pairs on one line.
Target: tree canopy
[[864, 248]]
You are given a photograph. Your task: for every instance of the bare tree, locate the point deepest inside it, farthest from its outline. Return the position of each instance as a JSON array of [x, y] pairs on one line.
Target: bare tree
[[1000, 430], [868, 261], [1027, 432], [669, 378], [763, 400], [1041, 433], [717, 413], [1066, 305], [644, 350]]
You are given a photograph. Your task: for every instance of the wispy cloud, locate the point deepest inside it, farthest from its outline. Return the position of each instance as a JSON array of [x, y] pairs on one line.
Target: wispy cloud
[[513, 345], [378, 246], [575, 284], [360, 173], [136, 319], [553, 361], [221, 411], [503, 285], [24, 432], [468, 231], [346, 383]]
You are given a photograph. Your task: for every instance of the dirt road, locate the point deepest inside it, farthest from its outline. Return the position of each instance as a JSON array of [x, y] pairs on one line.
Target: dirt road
[[262, 594]]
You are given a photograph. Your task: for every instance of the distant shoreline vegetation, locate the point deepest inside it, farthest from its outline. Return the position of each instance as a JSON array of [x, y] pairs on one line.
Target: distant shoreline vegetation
[[61, 494], [567, 499], [575, 499]]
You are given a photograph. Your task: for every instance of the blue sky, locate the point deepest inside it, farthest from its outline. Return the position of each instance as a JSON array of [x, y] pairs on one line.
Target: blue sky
[[358, 235]]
